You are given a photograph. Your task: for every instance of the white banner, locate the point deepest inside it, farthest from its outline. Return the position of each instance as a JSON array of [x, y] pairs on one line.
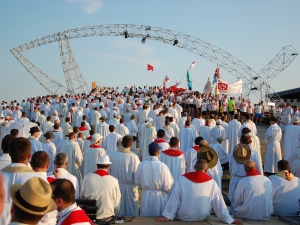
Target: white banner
[[230, 88]]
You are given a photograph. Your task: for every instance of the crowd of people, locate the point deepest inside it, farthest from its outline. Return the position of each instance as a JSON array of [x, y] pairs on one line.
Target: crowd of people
[[107, 144]]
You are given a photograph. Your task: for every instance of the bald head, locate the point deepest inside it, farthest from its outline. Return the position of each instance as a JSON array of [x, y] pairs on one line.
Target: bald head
[[201, 165], [203, 143], [249, 165]]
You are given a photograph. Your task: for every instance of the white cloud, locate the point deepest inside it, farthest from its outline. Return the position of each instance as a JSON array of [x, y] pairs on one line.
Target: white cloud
[[88, 6]]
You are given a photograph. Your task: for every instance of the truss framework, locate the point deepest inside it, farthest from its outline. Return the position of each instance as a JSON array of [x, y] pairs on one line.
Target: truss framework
[[204, 49]]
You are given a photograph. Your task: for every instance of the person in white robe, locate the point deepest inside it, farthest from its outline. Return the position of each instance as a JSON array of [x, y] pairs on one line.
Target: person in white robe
[[191, 154], [17, 172], [49, 147], [273, 152], [204, 131], [182, 120], [161, 140], [174, 126], [211, 157], [63, 113], [121, 128], [92, 154], [295, 163], [168, 130], [286, 115], [285, 188], [127, 116], [75, 157], [124, 166], [5, 158], [223, 155], [111, 141], [156, 182], [142, 115], [248, 123], [4, 126], [84, 130], [232, 133], [174, 159], [148, 134], [187, 136], [65, 127], [36, 145], [218, 131], [103, 187], [198, 122], [17, 114], [239, 155], [95, 117], [103, 128], [61, 162], [47, 125], [253, 195], [88, 141], [115, 120], [132, 127], [203, 192], [58, 136], [291, 137]]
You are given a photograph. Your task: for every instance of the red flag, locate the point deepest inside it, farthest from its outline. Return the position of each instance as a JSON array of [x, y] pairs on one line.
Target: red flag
[[149, 67]]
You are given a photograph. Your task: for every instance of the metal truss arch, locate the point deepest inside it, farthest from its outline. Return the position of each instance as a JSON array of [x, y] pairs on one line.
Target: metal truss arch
[[204, 49]]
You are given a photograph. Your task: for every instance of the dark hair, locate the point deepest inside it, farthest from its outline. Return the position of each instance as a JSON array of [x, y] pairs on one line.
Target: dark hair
[[64, 189], [236, 116], [82, 124], [76, 129], [48, 118], [6, 142], [246, 130], [56, 126], [111, 128], [39, 159], [187, 122], [100, 166], [246, 139], [121, 120], [61, 159], [283, 165], [273, 119], [92, 131], [67, 119], [25, 217], [14, 132], [174, 141], [127, 141], [161, 133], [198, 139], [19, 149]]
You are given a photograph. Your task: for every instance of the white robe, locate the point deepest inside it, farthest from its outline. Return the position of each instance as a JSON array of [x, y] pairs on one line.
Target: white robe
[[253, 198], [64, 174], [95, 118], [196, 203], [198, 122], [124, 166], [132, 128], [36, 145], [273, 152], [284, 195], [175, 163], [142, 116], [103, 129], [291, 139], [90, 157], [75, 158], [187, 138], [295, 162], [189, 156], [102, 189], [205, 133], [222, 154], [5, 160], [156, 181], [111, 141], [175, 129], [232, 134], [147, 137], [237, 172], [218, 131], [50, 148], [251, 125], [65, 127], [122, 130]]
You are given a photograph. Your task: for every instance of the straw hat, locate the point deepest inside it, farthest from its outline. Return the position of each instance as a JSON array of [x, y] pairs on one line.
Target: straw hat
[[209, 154], [103, 160], [33, 197], [241, 153]]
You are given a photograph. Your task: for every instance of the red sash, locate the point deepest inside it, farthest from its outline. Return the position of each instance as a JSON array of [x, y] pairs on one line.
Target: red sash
[[196, 147], [95, 146], [50, 179], [197, 177], [253, 172], [82, 128], [77, 216], [173, 152], [89, 138], [101, 173], [159, 141]]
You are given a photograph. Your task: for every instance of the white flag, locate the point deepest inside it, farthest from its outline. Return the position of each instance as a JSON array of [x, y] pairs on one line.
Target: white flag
[[230, 88], [192, 66]]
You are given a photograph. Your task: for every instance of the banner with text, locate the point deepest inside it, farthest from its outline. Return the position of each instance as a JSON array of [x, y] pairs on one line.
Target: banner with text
[[230, 88]]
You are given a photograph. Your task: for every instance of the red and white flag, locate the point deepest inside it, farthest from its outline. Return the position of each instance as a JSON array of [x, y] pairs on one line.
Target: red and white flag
[[230, 88], [192, 66], [149, 67]]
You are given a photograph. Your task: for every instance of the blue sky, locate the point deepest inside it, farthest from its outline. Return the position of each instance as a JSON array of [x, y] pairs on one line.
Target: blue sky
[[253, 31]]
